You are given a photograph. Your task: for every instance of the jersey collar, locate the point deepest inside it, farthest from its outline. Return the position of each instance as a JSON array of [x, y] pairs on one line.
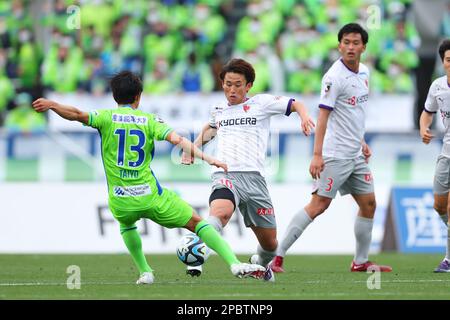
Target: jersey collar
[[246, 98]]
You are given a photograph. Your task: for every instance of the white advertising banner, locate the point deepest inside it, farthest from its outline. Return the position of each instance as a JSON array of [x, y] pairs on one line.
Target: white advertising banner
[[74, 218]]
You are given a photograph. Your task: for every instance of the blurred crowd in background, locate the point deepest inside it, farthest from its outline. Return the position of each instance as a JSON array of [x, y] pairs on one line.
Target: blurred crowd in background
[[180, 46]]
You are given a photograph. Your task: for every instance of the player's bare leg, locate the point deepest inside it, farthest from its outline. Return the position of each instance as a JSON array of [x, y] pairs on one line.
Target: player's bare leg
[[441, 206], [297, 225]]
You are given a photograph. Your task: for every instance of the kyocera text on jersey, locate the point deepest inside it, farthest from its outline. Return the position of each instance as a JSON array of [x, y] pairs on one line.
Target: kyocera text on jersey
[[237, 122]]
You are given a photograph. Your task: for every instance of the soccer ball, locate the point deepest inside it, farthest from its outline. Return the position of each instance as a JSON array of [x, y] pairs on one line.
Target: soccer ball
[[192, 251]]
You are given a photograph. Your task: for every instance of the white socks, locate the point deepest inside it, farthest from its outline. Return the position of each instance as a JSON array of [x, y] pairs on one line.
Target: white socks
[[363, 236], [215, 223], [296, 227], [264, 256], [444, 218]]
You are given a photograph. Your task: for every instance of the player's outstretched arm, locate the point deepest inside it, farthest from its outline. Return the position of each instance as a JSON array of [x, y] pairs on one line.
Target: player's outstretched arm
[[425, 121], [317, 163], [192, 150], [208, 133], [307, 122], [66, 112]]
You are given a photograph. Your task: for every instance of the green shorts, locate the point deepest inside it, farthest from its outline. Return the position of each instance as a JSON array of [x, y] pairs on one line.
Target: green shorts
[[167, 210]]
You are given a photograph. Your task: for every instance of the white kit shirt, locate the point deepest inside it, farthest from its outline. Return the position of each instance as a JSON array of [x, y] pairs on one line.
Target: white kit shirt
[[345, 93], [439, 99], [243, 130]]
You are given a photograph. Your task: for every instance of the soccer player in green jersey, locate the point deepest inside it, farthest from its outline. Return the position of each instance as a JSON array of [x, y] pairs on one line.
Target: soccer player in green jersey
[[127, 144]]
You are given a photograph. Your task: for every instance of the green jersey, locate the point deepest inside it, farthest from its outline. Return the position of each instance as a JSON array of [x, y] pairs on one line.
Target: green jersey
[[127, 142]]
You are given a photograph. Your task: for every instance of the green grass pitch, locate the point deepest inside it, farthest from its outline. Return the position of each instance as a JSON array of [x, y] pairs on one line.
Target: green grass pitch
[[306, 277]]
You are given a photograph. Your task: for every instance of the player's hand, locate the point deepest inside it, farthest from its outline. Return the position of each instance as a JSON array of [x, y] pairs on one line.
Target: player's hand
[[42, 105], [307, 126], [366, 151], [316, 166], [186, 158], [219, 164], [426, 135]]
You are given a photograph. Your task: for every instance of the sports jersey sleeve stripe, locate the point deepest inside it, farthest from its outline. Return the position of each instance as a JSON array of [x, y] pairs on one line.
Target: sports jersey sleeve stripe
[[428, 111], [166, 133], [288, 109], [90, 120], [324, 106]]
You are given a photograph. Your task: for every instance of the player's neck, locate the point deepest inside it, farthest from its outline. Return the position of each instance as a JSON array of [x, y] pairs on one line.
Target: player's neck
[[353, 66], [448, 80], [243, 100], [128, 105]]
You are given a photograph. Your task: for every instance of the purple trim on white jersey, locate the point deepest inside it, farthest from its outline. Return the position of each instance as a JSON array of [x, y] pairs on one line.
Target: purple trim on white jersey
[[288, 109], [324, 106], [425, 109], [348, 67]]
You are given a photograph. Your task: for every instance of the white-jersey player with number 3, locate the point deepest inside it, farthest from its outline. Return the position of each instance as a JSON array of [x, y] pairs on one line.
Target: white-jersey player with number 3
[[241, 126], [340, 160], [439, 100]]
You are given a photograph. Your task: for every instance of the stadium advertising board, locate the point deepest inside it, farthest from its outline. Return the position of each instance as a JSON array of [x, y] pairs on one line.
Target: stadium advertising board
[[412, 225]]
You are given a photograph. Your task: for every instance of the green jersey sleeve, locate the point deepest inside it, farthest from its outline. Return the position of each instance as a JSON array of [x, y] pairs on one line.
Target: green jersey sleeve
[[98, 118], [159, 128]]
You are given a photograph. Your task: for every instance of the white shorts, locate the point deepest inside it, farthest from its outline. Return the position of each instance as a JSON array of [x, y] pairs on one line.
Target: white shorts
[[346, 175]]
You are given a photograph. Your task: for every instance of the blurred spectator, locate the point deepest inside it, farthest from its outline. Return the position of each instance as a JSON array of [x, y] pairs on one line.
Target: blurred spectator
[[193, 75], [23, 118]]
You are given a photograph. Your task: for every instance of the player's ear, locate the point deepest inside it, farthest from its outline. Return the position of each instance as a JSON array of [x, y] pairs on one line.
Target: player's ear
[[138, 98], [248, 86]]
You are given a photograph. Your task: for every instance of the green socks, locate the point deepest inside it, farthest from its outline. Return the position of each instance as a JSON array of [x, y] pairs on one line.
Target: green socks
[[213, 240], [134, 244]]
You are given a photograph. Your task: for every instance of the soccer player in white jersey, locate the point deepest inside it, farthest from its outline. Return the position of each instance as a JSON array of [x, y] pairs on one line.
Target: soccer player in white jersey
[[242, 126], [439, 99], [340, 159]]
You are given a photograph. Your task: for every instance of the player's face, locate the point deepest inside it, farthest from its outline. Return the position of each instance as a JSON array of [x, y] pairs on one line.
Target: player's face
[[235, 87], [351, 47], [446, 62]]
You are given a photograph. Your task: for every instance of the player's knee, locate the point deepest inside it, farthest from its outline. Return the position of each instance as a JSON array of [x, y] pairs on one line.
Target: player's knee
[[318, 208], [371, 205], [441, 209], [269, 244]]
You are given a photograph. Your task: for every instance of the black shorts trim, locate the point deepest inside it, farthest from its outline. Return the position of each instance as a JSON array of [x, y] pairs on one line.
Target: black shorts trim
[[222, 193]]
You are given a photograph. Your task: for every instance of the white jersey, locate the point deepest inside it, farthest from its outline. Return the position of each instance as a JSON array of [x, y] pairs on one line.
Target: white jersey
[[243, 130], [345, 93], [439, 99]]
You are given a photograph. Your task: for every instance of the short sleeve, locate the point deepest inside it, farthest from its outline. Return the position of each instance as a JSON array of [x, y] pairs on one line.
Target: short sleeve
[[159, 128], [329, 92], [273, 105], [431, 105], [98, 118]]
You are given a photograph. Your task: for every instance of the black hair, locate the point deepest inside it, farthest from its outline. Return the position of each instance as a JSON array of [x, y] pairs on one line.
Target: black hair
[[445, 45], [239, 66], [353, 28], [125, 86]]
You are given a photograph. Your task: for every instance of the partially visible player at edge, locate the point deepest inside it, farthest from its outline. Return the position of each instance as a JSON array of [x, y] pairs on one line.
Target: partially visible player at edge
[[127, 142], [439, 99], [340, 159], [242, 126]]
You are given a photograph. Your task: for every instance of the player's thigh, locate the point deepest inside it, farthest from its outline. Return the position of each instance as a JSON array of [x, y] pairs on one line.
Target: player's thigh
[[169, 210], [126, 219], [222, 203], [224, 196], [333, 176], [360, 181], [441, 182]]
